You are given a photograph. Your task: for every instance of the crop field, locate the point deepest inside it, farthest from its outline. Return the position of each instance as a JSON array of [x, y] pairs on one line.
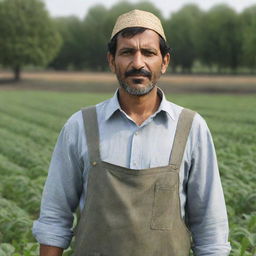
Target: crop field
[[30, 122]]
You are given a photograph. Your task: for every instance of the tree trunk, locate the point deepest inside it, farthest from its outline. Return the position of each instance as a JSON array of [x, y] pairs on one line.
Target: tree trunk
[[219, 69], [174, 68], [16, 71]]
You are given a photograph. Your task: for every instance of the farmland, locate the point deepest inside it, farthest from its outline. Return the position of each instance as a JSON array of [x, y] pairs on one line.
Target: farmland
[[29, 125]]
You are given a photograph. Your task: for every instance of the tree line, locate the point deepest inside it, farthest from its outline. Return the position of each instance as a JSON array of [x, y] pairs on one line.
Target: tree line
[[219, 39]]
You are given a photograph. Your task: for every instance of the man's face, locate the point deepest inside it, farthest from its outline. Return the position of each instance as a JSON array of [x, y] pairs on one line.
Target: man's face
[[138, 62]]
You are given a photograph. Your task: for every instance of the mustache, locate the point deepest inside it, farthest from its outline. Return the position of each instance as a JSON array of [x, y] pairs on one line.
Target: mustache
[[140, 72]]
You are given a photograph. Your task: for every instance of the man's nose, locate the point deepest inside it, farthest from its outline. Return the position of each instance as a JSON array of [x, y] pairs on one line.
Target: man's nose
[[138, 61]]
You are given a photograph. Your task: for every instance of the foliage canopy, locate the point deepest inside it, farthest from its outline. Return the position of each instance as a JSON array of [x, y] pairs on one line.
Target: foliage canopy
[[219, 39], [28, 35]]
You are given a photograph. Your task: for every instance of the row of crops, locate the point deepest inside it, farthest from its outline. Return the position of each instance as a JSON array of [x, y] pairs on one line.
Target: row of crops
[[29, 126]]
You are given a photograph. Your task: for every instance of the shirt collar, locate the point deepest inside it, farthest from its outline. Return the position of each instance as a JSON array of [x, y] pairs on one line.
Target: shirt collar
[[165, 105], [113, 105]]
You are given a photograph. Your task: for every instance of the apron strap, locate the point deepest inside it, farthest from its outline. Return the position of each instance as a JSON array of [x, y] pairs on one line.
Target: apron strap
[[181, 136], [179, 144], [91, 133]]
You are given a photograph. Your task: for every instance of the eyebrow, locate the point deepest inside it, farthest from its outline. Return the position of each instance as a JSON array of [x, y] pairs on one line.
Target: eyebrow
[[131, 49], [127, 49], [150, 50]]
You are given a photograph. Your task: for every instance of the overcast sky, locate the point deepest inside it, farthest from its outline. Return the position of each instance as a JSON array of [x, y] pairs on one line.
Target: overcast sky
[[80, 7]]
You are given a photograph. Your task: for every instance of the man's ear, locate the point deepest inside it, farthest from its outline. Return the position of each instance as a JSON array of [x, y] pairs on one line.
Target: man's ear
[[166, 60], [111, 62]]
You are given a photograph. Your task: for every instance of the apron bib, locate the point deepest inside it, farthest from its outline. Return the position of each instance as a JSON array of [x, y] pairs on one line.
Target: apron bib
[[133, 212]]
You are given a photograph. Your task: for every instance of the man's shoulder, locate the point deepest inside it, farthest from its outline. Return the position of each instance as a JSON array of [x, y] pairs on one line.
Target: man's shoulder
[[76, 119], [199, 130], [174, 110], [199, 124]]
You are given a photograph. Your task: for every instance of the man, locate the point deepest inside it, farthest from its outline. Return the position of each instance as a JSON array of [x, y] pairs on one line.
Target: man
[[142, 169]]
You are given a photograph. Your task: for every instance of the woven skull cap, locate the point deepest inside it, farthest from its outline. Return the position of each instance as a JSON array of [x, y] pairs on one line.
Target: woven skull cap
[[138, 18]]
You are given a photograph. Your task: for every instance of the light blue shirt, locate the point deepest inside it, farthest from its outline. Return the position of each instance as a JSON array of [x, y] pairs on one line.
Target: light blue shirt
[[124, 143]]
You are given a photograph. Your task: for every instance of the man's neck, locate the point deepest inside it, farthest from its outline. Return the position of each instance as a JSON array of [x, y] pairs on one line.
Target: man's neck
[[139, 108]]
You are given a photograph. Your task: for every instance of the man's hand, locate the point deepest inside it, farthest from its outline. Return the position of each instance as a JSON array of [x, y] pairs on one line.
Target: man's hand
[[46, 250]]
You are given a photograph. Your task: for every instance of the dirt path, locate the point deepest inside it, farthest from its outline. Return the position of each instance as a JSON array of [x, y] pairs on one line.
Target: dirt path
[[109, 77], [78, 81]]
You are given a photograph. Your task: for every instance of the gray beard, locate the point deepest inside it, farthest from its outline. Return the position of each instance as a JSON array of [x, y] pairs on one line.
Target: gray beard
[[136, 91]]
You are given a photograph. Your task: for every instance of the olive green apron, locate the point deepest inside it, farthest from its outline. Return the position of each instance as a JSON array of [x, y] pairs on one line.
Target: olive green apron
[[132, 212]]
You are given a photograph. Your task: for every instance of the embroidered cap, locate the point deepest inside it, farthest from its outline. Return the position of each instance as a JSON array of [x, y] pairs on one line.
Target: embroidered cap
[[138, 18]]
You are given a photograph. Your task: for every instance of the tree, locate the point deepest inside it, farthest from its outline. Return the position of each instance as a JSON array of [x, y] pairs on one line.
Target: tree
[[220, 38], [71, 51], [181, 31], [94, 38], [113, 13], [149, 7], [248, 22], [28, 35]]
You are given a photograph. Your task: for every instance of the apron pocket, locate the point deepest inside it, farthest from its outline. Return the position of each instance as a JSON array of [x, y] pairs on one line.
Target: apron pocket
[[164, 206]]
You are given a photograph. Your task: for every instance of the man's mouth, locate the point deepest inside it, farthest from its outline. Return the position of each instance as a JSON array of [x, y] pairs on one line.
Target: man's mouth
[[137, 80], [138, 76]]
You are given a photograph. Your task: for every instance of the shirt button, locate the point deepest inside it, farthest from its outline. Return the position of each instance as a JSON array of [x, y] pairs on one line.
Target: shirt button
[[94, 163], [136, 133]]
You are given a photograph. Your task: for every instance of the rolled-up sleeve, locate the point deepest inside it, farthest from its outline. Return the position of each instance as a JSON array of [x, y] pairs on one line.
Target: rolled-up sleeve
[[207, 215], [61, 193]]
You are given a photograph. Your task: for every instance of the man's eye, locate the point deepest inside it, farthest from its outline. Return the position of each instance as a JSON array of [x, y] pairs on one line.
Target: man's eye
[[126, 52], [149, 53]]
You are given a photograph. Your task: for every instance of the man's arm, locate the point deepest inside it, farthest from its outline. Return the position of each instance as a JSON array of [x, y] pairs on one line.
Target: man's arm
[[206, 209], [62, 190], [46, 250]]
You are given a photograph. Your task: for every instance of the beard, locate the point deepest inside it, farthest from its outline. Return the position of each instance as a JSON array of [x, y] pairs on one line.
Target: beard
[[137, 91]]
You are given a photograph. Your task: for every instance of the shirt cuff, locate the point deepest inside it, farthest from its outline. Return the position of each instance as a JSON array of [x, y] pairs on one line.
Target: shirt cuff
[[52, 235], [212, 250]]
